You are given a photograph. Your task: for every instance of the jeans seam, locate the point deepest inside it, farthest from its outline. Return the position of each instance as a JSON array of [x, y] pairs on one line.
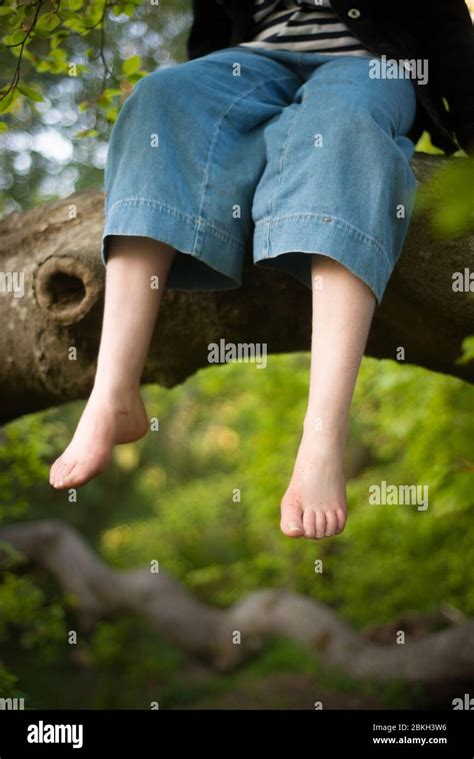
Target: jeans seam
[[216, 133], [284, 151], [357, 233]]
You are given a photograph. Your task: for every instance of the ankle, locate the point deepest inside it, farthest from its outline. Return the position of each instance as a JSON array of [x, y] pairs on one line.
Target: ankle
[[114, 392], [325, 435]]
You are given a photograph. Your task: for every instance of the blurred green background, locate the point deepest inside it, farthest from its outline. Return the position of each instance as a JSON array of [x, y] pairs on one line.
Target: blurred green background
[[170, 496]]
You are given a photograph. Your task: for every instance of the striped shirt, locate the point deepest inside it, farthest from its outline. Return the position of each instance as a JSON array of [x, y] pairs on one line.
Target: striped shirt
[[303, 26]]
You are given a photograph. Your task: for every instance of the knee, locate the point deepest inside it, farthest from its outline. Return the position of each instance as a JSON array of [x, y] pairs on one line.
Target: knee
[[375, 108], [142, 117], [159, 90], [357, 116], [152, 86]]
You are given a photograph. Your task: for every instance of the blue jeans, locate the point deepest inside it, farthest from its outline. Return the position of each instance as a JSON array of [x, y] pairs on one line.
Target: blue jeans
[[304, 151]]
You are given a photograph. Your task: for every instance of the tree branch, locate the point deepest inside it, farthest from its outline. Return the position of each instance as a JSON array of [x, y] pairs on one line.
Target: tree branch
[[207, 633], [56, 246]]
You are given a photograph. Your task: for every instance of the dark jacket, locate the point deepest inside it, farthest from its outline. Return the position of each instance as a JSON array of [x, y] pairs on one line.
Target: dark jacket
[[440, 31]]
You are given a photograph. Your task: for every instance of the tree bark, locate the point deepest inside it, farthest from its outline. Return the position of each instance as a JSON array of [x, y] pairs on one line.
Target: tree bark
[[57, 248], [210, 634]]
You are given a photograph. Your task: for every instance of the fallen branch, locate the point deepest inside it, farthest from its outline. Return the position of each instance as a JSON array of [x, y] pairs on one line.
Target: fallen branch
[[208, 633]]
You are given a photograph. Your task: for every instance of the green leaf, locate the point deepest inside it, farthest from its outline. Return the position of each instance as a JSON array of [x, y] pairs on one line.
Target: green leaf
[[467, 351], [449, 198], [47, 23], [110, 93], [58, 38], [129, 9], [134, 78], [75, 25], [15, 38], [43, 66], [30, 93], [111, 114], [58, 54], [7, 102], [3, 126], [73, 5], [87, 133], [131, 65]]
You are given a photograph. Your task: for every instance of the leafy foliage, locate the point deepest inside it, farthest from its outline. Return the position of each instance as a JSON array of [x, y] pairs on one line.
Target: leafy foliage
[[172, 497], [449, 197], [67, 68]]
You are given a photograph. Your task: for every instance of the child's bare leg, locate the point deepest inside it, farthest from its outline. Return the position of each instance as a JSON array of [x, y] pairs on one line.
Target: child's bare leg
[[314, 504], [115, 412]]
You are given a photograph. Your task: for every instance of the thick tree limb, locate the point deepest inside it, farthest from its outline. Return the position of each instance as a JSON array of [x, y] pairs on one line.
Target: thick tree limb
[[57, 247], [207, 633]]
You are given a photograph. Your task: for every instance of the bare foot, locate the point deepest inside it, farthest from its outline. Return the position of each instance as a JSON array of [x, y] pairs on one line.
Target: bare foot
[[107, 420], [315, 504]]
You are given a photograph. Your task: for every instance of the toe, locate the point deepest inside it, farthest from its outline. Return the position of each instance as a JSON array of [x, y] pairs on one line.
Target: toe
[[71, 475], [63, 471], [57, 465], [341, 520], [291, 517], [331, 523], [309, 524], [320, 524], [53, 471], [82, 472], [56, 475]]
